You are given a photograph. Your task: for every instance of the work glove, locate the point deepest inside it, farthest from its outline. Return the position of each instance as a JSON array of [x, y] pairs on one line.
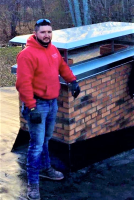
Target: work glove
[[35, 116], [75, 89]]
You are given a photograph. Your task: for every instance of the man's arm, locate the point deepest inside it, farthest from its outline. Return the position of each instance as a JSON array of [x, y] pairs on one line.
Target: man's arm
[[68, 76], [25, 73]]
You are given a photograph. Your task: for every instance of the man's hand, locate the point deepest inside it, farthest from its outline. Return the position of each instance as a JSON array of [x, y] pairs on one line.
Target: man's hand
[[75, 89], [35, 116]]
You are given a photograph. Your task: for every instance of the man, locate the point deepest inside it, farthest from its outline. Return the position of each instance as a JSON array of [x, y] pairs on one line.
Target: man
[[39, 67]]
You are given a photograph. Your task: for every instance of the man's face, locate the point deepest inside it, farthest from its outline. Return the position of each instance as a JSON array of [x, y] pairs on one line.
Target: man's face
[[44, 34]]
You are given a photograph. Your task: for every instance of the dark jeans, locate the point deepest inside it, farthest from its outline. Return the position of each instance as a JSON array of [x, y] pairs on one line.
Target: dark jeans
[[40, 134]]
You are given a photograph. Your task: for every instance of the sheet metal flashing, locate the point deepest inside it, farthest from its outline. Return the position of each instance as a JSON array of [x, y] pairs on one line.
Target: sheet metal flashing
[[75, 37], [97, 65]]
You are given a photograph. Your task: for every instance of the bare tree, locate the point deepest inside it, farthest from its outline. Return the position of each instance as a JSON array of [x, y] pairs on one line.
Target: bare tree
[[80, 12], [71, 12], [12, 10], [77, 12], [86, 12], [19, 16]]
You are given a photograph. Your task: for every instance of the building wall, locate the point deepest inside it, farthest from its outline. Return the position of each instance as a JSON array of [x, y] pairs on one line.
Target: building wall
[[103, 106]]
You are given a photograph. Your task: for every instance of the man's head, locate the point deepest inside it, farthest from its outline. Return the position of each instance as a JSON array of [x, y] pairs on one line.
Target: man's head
[[43, 32]]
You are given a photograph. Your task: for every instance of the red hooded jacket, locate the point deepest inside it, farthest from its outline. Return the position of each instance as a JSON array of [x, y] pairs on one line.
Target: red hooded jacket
[[38, 70]]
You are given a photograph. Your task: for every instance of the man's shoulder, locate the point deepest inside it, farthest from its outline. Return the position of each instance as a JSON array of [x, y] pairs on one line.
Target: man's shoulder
[[26, 52]]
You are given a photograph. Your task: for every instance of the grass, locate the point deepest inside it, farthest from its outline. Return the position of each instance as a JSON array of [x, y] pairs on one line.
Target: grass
[[7, 59]]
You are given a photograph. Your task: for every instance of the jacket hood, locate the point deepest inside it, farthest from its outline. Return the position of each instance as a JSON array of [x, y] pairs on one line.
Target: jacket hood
[[32, 42]]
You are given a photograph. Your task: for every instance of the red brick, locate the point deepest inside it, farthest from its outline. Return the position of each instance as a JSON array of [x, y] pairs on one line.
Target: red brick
[[82, 137], [101, 95], [91, 135], [69, 127], [90, 80], [123, 86], [94, 94], [73, 103], [65, 110], [70, 99], [111, 72], [90, 111], [119, 69], [93, 125], [66, 115], [115, 108], [109, 83], [96, 129], [116, 118], [106, 79], [100, 106], [100, 76], [112, 81], [85, 87], [65, 94], [90, 121], [112, 115], [115, 99], [127, 116], [82, 121], [57, 135], [105, 89], [64, 99], [78, 123], [87, 118], [94, 114], [115, 128], [101, 121], [66, 105], [111, 106], [71, 110], [96, 83], [118, 79], [79, 128], [101, 131], [59, 114], [99, 87], [91, 90], [120, 112], [81, 116], [105, 98], [71, 132], [98, 117], [59, 125], [103, 110], [84, 109], [96, 103], [62, 131], [106, 113], [72, 137], [75, 113], [82, 83], [116, 85]]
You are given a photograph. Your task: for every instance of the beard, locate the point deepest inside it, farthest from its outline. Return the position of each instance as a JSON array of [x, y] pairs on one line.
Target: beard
[[44, 44]]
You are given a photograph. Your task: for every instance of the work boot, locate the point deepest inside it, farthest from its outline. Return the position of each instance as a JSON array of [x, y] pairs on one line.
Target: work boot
[[33, 192], [52, 174]]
